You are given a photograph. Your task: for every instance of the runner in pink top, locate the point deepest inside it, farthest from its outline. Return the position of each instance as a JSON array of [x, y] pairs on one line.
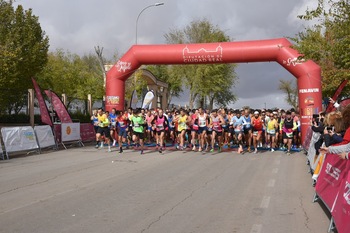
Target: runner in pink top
[[194, 128], [160, 123]]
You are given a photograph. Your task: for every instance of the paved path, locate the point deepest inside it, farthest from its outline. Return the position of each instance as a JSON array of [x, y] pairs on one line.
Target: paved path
[[89, 190]]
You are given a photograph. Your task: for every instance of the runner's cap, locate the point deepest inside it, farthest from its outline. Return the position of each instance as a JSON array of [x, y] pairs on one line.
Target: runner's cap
[[256, 113]]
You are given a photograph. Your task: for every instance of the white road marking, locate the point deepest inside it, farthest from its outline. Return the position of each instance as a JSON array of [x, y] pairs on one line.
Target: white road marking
[[265, 202], [271, 183], [256, 228], [275, 170]]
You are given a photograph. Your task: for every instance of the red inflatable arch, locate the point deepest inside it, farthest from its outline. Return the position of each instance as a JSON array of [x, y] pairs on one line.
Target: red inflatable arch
[[307, 73]]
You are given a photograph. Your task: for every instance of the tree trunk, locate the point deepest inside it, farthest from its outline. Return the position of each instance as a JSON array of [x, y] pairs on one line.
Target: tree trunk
[[211, 103], [193, 97]]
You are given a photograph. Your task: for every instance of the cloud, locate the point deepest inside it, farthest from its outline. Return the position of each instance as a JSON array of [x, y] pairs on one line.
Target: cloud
[[80, 25]]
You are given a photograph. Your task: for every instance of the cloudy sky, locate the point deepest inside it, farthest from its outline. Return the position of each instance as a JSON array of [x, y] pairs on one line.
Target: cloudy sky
[[79, 25]]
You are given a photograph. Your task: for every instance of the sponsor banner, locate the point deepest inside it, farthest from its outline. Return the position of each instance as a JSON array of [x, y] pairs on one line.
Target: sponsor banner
[[44, 113], [330, 178], [134, 100], [19, 138], [44, 136], [1, 151], [59, 107], [70, 132], [311, 152], [307, 141], [112, 100], [58, 135], [341, 209], [87, 132], [148, 99], [330, 106]]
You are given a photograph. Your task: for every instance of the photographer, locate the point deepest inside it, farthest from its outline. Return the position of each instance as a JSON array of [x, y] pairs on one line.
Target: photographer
[[318, 127], [335, 134], [342, 148]]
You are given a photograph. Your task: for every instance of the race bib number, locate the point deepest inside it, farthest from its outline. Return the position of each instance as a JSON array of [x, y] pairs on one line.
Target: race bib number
[[272, 131], [255, 133], [290, 135], [202, 124], [121, 124], [160, 127]]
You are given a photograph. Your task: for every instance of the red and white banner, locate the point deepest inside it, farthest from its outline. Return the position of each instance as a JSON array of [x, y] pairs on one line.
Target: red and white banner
[[329, 181], [59, 107], [44, 113], [87, 132], [70, 132], [306, 142], [341, 209]]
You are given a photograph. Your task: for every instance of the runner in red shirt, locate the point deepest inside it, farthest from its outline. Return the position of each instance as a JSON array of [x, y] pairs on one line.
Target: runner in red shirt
[[258, 126]]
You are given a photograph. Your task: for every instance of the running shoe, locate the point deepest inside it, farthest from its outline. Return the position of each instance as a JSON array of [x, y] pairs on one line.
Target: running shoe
[[219, 149], [141, 152], [96, 146], [194, 148], [120, 150], [272, 150], [114, 142], [200, 149], [109, 149], [101, 146], [249, 150], [255, 151], [212, 150]]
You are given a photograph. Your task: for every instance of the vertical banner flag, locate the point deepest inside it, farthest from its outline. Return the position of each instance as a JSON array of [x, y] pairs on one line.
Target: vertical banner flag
[[148, 99], [134, 100], [330, 107], [59, 107], [44, 113]]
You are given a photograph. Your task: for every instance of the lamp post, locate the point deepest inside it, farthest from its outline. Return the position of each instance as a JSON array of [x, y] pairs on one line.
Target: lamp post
[[137, 20]]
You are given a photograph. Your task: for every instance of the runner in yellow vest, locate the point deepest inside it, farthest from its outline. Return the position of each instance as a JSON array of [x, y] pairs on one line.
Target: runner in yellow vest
[[103, 124]]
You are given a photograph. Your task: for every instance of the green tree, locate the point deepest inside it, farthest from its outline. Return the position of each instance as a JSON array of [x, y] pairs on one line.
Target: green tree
[[290, 88], [210, 82], [75, 76], [23, 52], [328, 42]]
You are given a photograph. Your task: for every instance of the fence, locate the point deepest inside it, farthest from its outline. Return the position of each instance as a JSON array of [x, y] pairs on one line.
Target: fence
[[333, 184]]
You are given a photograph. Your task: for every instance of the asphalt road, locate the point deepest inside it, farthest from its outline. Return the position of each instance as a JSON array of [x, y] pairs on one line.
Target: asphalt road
[[89, 190]]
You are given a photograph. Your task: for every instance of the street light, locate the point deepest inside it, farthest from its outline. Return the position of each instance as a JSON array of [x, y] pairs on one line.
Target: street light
[[137, 20]]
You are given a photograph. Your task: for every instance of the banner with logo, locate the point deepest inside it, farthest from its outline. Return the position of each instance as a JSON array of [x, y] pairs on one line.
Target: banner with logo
[[330, 178], [19, 138], [44, 136], [134, 100], [337, 93], [70, 132], [307, 141], [341, 209], [311, 153], [87, 132], [59, 107], [1, 151], [44, 113], [148, 99]]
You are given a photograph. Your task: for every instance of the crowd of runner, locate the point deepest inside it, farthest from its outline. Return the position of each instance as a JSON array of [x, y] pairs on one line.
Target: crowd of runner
[[198, 129]]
